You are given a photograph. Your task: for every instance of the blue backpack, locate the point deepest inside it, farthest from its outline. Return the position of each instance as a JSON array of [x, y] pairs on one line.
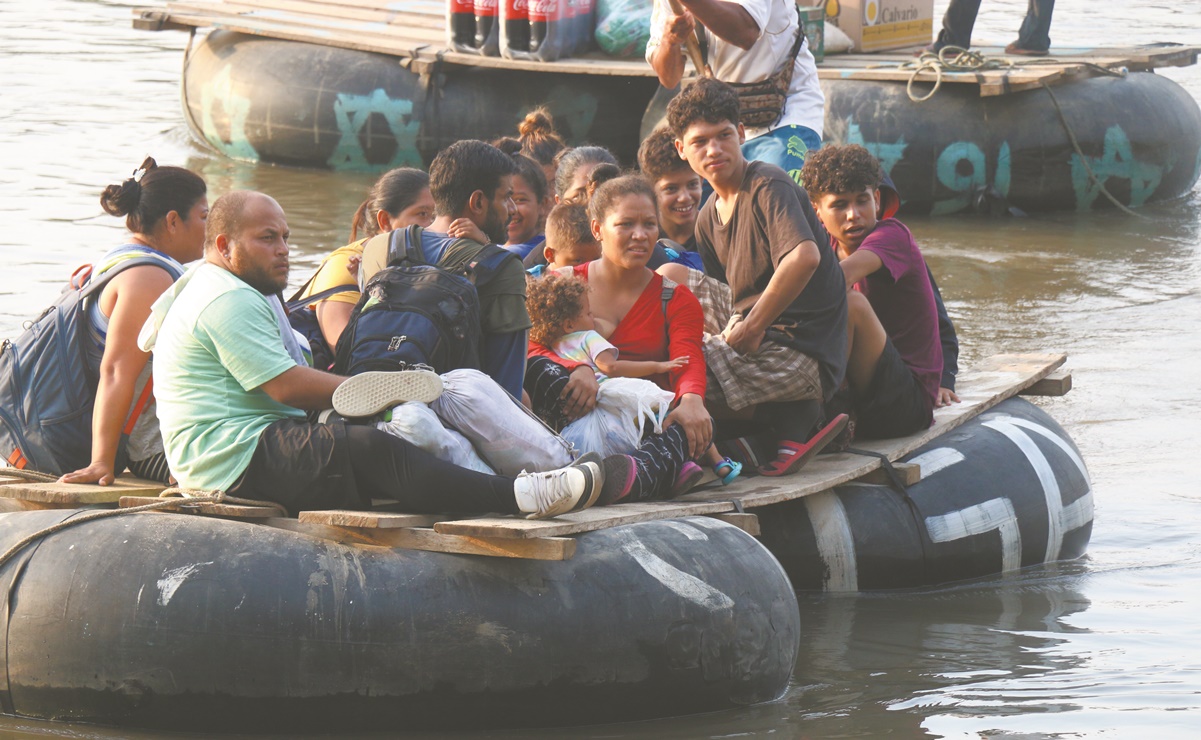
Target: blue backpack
[[48, 385], [414, 313], [302, 315]]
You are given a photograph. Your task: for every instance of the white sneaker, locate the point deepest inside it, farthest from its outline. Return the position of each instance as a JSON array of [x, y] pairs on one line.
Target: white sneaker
[[573, 488], [368, 394]]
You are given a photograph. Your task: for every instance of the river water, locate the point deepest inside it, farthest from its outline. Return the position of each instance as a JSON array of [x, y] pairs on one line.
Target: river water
[[1106, 647]]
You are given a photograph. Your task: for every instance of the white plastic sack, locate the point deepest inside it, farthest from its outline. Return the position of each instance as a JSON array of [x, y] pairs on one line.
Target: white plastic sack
[[507, 436], [418, 424], [623, 407], [464, 455]]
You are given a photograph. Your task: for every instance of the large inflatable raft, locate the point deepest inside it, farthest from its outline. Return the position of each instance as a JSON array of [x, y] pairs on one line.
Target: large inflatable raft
[[264, 99], [1005, 491], [171, 621]]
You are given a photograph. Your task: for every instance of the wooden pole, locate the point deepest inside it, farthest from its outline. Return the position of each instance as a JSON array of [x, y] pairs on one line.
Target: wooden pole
[[692, 45]]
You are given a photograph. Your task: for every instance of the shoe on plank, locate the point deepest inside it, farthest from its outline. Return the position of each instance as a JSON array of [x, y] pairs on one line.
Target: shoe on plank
[[554, 492], [792, 456]]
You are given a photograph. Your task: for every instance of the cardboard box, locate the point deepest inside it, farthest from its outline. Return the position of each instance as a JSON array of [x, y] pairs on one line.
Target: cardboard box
[[878, 25]]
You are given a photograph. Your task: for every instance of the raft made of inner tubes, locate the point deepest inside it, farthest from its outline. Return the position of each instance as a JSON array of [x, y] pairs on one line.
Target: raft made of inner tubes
[[292, 103], [178, 622], [1140, 136], [1004, 491], [1135, 137]]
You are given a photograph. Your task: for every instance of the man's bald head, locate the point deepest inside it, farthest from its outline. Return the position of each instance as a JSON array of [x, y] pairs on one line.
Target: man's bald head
[[247, 234]]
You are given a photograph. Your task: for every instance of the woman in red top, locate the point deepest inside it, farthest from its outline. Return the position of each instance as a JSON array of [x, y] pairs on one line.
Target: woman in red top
[[627, 300]]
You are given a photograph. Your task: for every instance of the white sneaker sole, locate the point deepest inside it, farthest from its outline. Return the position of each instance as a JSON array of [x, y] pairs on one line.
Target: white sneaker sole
[[369, 393]]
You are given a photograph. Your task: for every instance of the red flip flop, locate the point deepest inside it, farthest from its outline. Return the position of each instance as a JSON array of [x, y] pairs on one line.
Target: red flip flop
[[792, 456]]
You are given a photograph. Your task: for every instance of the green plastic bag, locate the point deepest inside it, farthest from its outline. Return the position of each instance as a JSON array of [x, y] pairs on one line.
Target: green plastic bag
[[623, 27]]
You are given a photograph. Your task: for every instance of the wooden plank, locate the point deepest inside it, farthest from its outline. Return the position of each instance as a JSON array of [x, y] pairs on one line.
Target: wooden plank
[[415, 538], [540, 548], [80, 494], [320, 10], [909, 473], [980, 388], [1057, 383], [581, 521], [323, 27], [748, 523], [371, 519], [184, 506]]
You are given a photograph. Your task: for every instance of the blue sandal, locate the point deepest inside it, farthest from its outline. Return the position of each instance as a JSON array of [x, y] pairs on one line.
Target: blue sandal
[[728, 478]]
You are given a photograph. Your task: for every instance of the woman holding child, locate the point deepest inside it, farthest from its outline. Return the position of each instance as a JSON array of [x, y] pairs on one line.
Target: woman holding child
[[629, 310]]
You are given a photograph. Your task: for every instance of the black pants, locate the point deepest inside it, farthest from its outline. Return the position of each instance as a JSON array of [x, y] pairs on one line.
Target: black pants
[[960, 18], [308, 466], [896, 403], [659, 457]]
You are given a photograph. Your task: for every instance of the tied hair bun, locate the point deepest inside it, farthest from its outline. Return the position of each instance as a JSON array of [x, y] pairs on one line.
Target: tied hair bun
[[123, 199], [537, 123]]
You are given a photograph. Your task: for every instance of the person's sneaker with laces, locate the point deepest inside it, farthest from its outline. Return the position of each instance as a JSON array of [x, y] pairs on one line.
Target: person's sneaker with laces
[[573, 488], [369, 393]]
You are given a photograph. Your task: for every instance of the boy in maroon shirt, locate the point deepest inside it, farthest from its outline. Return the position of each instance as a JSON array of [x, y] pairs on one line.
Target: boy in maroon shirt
[[895, 358]]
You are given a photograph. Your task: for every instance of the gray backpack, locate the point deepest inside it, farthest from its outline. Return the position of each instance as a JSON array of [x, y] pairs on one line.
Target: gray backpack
[[48, 386]]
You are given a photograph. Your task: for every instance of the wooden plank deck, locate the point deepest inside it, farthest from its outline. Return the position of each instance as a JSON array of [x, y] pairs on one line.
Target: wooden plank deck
[[415, 30], [980, 388]]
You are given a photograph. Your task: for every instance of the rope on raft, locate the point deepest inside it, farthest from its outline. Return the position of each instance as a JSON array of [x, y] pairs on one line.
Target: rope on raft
[[171, 499]]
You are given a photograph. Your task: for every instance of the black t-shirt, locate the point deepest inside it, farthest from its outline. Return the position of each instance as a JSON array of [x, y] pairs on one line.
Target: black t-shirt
[[771, 217]]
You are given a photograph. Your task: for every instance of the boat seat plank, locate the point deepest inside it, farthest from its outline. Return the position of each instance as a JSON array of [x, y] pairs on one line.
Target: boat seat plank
[[67, 495], [396, 29], [581, 521], [371, 519], [183, 505], [1057, 383], [421, 538], [980, 388]]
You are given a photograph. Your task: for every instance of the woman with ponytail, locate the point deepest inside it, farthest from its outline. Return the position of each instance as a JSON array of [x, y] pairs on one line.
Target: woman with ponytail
[[165, 209], [399, 198]]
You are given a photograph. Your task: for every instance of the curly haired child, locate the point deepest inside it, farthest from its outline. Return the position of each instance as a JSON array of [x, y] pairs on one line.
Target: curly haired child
[[562, 320]]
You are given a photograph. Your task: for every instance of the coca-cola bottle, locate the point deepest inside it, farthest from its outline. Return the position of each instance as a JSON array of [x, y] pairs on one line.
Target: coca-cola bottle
[[462, 22], [544, 28], [584, 13], [485, 25], [517, 24]]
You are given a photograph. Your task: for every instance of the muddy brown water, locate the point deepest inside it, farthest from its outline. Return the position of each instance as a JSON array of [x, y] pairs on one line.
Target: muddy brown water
[[1106, 647]]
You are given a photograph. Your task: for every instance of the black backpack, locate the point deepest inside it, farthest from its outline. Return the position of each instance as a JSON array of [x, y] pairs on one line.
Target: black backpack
[[414, 313], [302, 315], [48, 387]]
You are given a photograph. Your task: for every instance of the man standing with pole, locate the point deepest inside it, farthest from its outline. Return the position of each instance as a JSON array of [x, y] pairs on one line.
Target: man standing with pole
[[759, 48]]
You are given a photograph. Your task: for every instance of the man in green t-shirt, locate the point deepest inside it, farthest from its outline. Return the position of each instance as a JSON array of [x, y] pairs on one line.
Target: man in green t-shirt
[[232, 401]]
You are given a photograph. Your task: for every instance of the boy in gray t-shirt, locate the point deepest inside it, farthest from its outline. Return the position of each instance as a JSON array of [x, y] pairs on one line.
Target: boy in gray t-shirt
[[774, 299]]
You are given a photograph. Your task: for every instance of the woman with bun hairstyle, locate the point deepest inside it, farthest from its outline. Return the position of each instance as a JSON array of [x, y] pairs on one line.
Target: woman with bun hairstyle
[[165, 209], [540, 142]]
